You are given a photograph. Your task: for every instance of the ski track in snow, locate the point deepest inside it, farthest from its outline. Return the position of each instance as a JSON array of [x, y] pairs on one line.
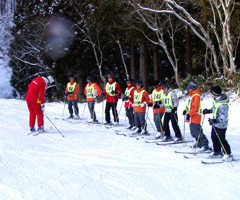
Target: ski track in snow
[[92, 162]]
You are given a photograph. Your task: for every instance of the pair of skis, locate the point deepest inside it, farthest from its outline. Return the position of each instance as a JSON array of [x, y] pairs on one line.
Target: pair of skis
[[202, 156]]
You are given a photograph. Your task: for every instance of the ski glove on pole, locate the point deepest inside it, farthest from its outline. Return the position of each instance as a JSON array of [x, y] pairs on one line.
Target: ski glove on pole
[[206, 111], [212, 121], [187, 116], [42, 107], [184, 112]]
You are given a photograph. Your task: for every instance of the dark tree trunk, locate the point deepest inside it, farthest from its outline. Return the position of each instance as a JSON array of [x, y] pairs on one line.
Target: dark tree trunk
[[188, 51], [155, 59], [143, 63], [132, 61]]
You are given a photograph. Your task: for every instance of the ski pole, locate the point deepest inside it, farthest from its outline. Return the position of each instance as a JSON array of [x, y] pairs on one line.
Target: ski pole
[[152, 125], [54, 125], [184, 127], [83, 109], [220, 142], [177, 123], [64, 107], [199, 132], [219, 139], [160, 122], [119, 111], [146, 119], [102, 107]]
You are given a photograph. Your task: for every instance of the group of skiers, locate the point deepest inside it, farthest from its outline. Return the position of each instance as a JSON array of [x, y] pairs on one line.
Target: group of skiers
[[163, 100]]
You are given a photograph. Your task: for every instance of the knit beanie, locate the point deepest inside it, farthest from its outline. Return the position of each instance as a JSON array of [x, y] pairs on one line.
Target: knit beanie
[[216, 90]]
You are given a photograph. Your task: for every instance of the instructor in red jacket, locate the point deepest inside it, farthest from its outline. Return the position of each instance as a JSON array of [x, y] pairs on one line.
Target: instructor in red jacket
[[35, 101]]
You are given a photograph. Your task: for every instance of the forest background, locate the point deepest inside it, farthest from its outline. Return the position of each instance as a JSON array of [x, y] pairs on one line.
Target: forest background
[[168, 40]]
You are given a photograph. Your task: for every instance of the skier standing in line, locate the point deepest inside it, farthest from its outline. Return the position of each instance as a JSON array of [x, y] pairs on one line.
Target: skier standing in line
[[193, 114], [92, 90], [141, 99], [112, 90], [128, 98], [71, 93], [170, 102], [156, 100], [35, 101], [219, 124]]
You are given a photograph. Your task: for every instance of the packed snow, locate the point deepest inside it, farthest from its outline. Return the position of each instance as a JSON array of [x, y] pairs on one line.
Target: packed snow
[[92, 162]]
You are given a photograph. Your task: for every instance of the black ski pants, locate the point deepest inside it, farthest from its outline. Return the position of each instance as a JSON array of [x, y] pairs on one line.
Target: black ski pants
[[130, 116], [173, 117], [216, 143], [114, 112]]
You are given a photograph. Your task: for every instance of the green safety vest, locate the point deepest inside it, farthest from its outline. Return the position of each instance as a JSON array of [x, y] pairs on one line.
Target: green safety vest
[[110, 88], [215, 107], [90, 91], [189, 104], [70, 87], [138, 98], [167, 100], [157, 96], [128, 92]]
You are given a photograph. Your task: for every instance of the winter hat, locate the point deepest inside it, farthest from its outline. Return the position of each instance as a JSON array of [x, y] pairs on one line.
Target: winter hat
[[216, 90], [50, 79], [71, 76], [165, 85], [130, 80], [139, 82], [156, 82], [110, 76], [192, 85], [90, 78]]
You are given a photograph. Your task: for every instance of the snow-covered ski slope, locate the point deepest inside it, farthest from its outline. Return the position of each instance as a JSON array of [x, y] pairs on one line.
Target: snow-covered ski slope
[[93, 163]]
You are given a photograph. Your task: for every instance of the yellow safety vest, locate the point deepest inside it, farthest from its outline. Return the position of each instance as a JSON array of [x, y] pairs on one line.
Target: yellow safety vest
[[157, 96], [138, 98], [70, 87], [110, 88], [90, 91], [167, 100], [215, 107], [189, 104], [128, 92]]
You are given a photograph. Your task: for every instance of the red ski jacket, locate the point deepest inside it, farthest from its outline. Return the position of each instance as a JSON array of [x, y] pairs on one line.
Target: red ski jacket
[[36, 90]]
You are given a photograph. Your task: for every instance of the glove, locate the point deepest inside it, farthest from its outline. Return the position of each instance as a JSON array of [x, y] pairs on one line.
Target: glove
[[70, 93], [174, 110], [42, 107], [212, 121], [67, 93], [184, 112], [150, 105], [187, 116], [156, 106], [143, 104], [206, 111], [125, 97], [114, 92]]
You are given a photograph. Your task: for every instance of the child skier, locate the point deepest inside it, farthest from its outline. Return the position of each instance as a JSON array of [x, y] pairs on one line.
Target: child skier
[[71, 93], [92, 90], [193, 114], [156, 99], [128, 98], [141, 99], [219, 124], [170, 102]]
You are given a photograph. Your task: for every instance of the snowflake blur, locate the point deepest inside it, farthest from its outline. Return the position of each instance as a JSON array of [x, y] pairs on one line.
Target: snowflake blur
[[59, 36]]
